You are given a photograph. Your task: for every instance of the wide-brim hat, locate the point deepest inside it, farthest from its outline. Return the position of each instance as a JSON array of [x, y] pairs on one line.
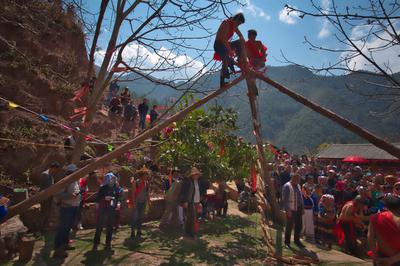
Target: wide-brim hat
[[194, 171], [142, 171]]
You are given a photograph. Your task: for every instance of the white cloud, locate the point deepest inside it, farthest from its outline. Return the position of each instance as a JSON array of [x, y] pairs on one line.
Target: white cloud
[[165, 63], [254, 10], [288, 17], [388, 57], [325, 28]]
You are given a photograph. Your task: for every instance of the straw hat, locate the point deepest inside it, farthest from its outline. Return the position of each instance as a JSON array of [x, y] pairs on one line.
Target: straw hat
[[194, 171], [142, 171]]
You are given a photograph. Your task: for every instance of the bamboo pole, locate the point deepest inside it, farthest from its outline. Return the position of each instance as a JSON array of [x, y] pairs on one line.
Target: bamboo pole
[[24, 205], [365, 134]]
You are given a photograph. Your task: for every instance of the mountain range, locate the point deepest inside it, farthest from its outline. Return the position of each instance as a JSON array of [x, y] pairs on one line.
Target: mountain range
[[288, 123]]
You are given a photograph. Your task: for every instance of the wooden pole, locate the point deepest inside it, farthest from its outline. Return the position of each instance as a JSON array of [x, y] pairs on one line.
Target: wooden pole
[[24, 205], [265, 169], [365, 134]]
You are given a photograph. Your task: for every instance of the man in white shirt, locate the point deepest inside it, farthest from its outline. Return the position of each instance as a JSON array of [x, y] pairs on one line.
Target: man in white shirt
[[292, 202]]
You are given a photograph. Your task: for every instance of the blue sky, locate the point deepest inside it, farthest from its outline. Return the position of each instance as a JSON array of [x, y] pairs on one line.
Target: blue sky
[[281, 33]]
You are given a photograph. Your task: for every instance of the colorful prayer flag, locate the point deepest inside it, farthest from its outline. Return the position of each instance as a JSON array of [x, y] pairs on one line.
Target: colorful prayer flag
[[67, 127], [110, 147], [12, 105], [43, 118]]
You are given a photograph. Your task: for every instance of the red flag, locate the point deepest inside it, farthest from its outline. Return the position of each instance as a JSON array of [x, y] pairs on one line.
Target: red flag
[[222, 148], [82, 91], [273, 150], [253, 178], [80, 109], [170, 178]]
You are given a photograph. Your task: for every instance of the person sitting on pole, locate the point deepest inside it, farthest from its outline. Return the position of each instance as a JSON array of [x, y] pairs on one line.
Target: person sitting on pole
[[256, 51], [224, 48]]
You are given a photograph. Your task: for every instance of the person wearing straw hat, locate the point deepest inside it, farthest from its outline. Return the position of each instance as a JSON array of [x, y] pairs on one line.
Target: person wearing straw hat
[[140, 195], [189, 199]]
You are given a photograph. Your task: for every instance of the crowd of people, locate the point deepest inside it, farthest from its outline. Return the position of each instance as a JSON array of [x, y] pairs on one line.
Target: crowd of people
[[188, 201], [343, 204], [122, 107]]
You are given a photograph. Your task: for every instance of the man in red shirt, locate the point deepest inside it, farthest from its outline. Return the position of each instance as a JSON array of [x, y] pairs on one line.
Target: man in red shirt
[[384, 233], [256, 51], [224, 48]]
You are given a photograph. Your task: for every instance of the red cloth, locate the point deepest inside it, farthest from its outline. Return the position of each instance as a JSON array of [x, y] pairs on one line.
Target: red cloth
[[253, 178], [338, 229], [253, 51], [83, 186], [82, 91], [231, 30], [387, 229], [170, 178], [139, 188], [222, 149]]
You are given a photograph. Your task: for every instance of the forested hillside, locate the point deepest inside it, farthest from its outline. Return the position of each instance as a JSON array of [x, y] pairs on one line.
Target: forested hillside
[[287, 123]]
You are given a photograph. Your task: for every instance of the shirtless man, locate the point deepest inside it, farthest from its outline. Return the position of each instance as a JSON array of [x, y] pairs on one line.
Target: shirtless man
[[256, 51], [350, 218], [384, 233], [224, 49]]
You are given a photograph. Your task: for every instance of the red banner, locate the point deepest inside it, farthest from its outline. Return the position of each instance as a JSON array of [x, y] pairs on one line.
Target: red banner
[[253, 178]]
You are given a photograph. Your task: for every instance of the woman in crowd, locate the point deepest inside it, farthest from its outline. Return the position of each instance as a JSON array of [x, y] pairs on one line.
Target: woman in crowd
[[108, 199], [326, 220], [308, 215]]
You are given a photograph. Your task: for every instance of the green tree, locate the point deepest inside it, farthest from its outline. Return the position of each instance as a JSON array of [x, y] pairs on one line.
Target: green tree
[[206, 139]]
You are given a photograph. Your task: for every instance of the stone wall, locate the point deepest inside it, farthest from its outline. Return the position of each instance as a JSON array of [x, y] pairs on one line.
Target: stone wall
[[32, 217]]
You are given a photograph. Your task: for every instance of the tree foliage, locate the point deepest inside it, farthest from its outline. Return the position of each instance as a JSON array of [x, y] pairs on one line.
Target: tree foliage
[[206, 139]]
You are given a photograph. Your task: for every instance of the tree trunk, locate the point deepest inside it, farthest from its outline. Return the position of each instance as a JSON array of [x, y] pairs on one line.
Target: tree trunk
[[24, 205], [365, 134]]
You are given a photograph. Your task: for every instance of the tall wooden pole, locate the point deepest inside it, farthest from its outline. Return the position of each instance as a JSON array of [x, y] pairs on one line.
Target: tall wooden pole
[[265, 169], [365, 134], [59, 186]]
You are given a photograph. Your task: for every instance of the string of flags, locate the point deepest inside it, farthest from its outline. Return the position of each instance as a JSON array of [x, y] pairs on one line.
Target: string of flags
[[12, 105]]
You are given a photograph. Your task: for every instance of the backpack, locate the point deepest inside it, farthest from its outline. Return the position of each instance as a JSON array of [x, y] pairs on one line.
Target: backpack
[[174, 191]]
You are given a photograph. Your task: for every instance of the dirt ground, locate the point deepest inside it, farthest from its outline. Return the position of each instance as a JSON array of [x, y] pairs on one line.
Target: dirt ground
[[233, 240]]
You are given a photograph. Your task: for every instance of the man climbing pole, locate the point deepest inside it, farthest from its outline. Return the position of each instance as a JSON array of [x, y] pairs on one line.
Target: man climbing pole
[[224, 49], [256, 51]]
